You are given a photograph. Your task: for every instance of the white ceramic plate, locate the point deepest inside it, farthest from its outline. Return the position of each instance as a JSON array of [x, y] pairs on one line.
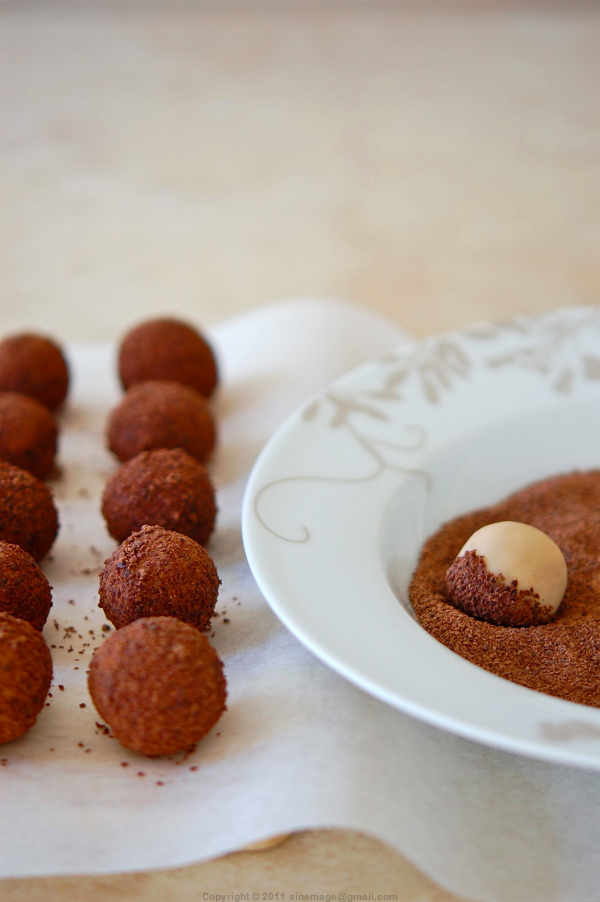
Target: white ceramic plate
[[343, 496]]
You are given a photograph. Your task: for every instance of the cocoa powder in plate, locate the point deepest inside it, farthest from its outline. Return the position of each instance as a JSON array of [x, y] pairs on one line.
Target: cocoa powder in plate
[[560, 658]]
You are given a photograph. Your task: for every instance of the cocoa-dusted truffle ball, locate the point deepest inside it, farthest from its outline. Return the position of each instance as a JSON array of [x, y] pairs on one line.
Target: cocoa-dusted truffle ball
[[156, 572], [25, 674], [24, 590], [28, 517], [167, 349], [34, 365], [510, 574], [160, 488], [161, 415], [159, 684], [28, 434]]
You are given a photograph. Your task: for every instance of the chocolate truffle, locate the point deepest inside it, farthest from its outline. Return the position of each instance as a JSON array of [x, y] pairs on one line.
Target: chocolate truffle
[[34, 365], [24, 590], [28, 434], [156, 572], [508, 573], [161, 415], [28, 517], [166, 349], [25, 674], [160, 488], [159, 684]]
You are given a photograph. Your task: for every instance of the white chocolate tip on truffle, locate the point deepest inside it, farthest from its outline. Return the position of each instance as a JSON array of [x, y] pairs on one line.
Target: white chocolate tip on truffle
[[523, 553]]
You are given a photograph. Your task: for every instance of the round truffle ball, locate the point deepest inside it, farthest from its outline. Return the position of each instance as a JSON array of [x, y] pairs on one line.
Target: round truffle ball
[[28, 517], [159, 684], [25, 674], [160, 488], [34, 365], [24, 590], [28, 434], [510, 574], [156, 572], [167, 349], [161, 415]]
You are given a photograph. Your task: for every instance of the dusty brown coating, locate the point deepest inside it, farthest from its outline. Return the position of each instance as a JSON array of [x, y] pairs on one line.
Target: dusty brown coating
[[561, 658], [160, 488], [155, 573], [476, 591], [28, 517], [159, 684], [25, 674], [167, 349], [28, 434], [161, 415], [24, 590], [34, 365]]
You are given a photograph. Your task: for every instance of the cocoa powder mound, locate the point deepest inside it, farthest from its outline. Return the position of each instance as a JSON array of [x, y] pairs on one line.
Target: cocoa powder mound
[[560, 658]]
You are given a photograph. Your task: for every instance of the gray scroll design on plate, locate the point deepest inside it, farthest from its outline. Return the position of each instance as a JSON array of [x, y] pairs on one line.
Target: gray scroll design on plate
[[345, 406]]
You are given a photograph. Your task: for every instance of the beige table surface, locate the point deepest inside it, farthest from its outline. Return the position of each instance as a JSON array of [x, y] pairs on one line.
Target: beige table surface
[[437, 162]]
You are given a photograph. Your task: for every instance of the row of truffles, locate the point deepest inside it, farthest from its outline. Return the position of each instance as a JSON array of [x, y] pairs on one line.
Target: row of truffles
[[157, 681], [163, 431], [34, 381], [28, 527], [508, 574]]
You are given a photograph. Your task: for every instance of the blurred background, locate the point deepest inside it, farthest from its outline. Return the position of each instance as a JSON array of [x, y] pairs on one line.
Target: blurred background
[[438, 162]]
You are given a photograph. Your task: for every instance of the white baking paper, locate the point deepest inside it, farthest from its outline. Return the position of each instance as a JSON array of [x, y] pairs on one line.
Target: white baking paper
[[298, 747]]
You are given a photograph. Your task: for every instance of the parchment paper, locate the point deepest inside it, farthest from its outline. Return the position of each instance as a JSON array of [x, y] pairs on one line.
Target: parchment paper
[[298, 747]]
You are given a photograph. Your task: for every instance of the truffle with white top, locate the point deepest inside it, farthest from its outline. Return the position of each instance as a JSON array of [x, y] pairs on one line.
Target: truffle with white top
[[510, 574]]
